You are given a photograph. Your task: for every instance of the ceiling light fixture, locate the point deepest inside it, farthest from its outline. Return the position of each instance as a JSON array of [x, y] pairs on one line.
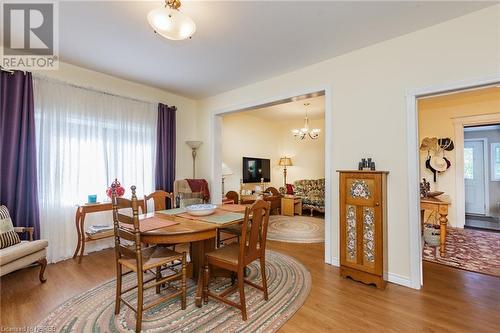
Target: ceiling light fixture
[[302, 133], [171, 23]]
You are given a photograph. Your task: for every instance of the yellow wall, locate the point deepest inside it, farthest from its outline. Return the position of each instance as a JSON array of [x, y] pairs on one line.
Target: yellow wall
[[435, 120], [246, 135], [368, 106]]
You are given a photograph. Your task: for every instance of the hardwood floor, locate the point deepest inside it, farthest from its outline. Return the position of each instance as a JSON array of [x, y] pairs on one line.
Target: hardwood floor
[[452, 300]]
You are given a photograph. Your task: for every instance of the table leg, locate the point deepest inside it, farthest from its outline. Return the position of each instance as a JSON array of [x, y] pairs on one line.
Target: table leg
[[443, 221], [77, 225], [198, 251], [82, 236]]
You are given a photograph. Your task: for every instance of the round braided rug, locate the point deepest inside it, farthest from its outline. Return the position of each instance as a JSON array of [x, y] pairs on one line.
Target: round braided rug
[[289, 283], [296, 229]]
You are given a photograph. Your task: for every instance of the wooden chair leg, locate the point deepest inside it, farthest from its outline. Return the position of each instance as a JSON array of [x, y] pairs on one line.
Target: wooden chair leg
[[263, 275], [217, 239], [206, 280], [140, 302], [183, 283], [43, 265], [241, 290], [118, 288], [158, 278]]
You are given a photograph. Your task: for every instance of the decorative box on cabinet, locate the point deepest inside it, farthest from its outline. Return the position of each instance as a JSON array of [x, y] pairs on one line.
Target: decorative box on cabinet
[[363, 226]]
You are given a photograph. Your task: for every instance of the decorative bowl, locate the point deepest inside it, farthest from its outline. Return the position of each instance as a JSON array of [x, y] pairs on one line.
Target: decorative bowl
[[201, 209]]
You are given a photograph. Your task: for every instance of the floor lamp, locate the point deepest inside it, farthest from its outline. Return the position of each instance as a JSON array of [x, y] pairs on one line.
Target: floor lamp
[[284, 162], [194, 146], [226, 171]]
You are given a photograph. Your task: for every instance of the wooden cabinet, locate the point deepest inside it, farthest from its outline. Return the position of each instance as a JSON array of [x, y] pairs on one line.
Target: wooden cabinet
[[363, 226]]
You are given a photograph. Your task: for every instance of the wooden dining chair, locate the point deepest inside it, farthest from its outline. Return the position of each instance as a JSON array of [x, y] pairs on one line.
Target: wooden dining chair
[[235, 257], [233, 195], [139, 259], [160, 200], [234, 230]]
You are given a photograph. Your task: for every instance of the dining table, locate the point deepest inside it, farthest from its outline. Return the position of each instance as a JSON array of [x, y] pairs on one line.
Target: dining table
[[200, 231]]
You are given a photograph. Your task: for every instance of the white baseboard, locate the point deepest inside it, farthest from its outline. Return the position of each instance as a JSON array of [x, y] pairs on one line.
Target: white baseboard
[[399, 279], [335, 262]]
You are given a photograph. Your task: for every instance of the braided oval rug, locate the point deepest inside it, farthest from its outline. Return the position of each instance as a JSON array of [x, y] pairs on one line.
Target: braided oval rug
[[289, 283]]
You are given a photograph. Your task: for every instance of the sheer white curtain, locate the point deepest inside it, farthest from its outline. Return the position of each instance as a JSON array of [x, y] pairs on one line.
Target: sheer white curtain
[[86, 139]]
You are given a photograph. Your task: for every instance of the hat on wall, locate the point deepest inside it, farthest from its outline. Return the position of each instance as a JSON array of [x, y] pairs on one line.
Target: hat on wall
[[438, 163], [430, 144]]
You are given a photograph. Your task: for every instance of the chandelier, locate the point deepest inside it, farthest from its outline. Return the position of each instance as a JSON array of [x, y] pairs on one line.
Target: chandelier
[[171, 23], [302, 133]]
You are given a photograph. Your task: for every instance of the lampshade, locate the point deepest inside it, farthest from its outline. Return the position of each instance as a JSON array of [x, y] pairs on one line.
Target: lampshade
[[171, 23], [285, 161], [194, 144], [226, 171]]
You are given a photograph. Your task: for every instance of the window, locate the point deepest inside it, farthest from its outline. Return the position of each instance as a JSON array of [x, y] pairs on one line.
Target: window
[[495, 161], [468, 163]]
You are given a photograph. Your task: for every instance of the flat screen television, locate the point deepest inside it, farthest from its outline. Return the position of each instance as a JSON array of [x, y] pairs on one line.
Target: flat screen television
[[256, 168]]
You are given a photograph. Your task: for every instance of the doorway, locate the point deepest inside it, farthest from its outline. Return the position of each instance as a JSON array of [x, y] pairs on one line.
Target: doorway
[[474, 176], [216, 148], [482, 189], [455, 159]]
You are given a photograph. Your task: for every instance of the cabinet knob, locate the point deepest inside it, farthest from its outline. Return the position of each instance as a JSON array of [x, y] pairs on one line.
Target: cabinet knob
[[377, 204]]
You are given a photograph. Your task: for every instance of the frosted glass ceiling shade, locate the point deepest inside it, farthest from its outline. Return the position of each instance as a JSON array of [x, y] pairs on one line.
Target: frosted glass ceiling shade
[[171, 23]]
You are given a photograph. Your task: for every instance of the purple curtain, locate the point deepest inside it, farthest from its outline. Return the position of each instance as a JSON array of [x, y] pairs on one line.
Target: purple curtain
[[18, 178], [165, 149]]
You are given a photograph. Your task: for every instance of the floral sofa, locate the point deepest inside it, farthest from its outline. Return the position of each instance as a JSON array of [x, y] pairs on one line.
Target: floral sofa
[[312, 192]]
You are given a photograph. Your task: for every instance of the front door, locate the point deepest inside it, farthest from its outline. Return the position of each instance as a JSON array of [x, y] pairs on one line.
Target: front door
[[474, 177]]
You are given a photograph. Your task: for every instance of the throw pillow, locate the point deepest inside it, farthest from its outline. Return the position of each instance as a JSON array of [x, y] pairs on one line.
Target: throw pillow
[[289, 189], [190, 198], [8, 236]]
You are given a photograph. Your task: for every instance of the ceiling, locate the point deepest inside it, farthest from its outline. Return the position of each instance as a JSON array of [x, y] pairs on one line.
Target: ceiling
[[290, 111], [236, 42]]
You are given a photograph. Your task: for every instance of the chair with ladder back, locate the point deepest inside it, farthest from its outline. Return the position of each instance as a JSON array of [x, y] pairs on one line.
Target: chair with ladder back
[[236, 256], [142, 259]]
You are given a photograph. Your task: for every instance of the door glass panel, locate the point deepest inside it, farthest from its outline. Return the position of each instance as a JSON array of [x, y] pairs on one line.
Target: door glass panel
[[368, 235], [468, 163], [351, 234]]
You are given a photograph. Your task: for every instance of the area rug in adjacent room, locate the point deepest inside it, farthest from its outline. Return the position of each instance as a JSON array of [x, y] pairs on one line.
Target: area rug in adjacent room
[[296, 229], [289, 283], [472, 250]]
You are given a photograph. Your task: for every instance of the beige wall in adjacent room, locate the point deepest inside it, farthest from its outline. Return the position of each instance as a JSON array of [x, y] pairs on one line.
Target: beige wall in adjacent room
[[369, 109], [435, 115], [246, 135], [186, 108]]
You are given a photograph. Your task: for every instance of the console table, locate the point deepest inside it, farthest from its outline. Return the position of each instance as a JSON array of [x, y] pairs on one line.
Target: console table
[[441, 208], [81, 212]]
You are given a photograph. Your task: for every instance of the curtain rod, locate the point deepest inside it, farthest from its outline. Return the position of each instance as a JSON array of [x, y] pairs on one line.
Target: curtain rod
[[50, 79], [11, 71]]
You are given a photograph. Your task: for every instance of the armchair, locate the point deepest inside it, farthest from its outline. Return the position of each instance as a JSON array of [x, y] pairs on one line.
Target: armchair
[[23, 253]]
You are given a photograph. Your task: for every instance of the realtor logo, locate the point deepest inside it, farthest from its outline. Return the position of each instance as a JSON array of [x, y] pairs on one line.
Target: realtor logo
[[29, 35]]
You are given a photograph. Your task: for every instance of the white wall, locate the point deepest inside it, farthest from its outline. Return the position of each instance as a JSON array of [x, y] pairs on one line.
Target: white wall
[[369, 108], [247, 135], [186, 108]]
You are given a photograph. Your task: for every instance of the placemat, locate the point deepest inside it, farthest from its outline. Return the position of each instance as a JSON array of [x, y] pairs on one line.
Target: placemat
[[224, 218], [220, 217], [173, 211], [151, 223], [233, 208]]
